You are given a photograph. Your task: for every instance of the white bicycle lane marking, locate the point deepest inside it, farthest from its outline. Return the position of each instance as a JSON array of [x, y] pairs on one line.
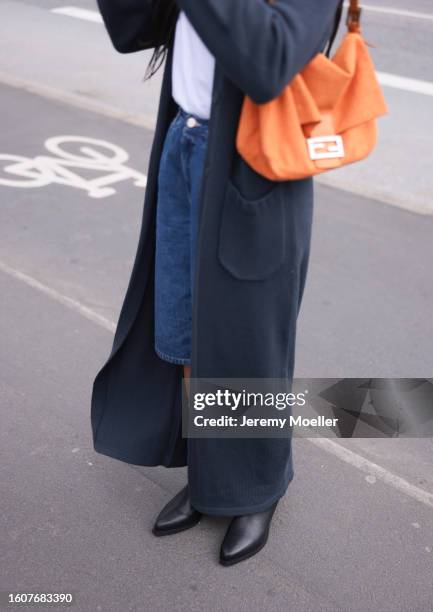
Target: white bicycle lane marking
[[63, 166]]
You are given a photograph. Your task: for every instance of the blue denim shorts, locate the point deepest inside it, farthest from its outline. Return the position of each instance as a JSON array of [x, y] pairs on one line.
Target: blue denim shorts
[[179, 181]]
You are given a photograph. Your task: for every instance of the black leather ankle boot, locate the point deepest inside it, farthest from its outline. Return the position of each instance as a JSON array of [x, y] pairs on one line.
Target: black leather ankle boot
[[177, 515], [245, 536]]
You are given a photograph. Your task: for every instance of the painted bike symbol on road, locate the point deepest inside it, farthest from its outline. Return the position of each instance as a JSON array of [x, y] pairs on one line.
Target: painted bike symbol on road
[[63, 166]]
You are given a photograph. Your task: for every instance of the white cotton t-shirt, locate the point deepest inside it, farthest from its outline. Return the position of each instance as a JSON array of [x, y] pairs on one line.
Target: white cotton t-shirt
[[192, 70]]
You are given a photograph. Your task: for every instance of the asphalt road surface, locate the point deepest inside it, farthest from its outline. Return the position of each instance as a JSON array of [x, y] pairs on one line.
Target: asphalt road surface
[[71, 57], [355, 530]]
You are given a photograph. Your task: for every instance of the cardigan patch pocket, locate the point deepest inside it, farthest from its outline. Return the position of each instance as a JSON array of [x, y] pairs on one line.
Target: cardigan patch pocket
[[252, 234]]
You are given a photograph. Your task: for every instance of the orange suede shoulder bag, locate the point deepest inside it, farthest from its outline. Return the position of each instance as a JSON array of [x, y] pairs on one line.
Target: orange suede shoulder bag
[[323, 119]]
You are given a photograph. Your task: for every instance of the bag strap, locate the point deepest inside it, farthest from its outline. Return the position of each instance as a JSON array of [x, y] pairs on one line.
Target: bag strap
[[353, 20]]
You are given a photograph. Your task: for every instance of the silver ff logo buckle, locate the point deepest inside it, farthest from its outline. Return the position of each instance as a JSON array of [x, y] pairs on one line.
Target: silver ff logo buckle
[[325, 147]]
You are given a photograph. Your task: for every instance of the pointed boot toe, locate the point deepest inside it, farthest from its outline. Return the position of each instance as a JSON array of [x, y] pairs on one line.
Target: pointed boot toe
[[178, 515], [246, 535]]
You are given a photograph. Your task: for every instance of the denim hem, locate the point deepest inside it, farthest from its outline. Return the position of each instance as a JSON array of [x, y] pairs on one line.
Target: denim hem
[[170, 359]]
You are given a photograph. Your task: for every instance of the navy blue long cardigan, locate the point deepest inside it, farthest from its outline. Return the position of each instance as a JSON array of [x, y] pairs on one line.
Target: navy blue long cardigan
[[253, 248]]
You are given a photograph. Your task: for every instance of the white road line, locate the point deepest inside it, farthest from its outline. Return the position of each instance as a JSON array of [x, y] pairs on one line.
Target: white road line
[[396, 12], [389, 80], [88, 15], [339, 451], [78, 13], [405, 83], [368, 467], [74, 305]]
